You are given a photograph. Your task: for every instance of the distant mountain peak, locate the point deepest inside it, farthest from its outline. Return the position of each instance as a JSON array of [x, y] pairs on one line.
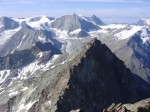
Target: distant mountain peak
[[8, 23], [143, 21], [73, 22], [94, 16], [74, 14]]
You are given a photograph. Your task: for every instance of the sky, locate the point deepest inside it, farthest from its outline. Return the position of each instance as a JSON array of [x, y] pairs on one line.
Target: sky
[[110, 11]]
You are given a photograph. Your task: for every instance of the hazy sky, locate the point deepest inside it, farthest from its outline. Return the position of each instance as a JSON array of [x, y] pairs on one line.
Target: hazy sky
[[107, 10]]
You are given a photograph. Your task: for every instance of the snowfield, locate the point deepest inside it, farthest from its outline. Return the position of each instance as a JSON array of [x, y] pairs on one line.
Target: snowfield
[[130, 31], [112, 26]]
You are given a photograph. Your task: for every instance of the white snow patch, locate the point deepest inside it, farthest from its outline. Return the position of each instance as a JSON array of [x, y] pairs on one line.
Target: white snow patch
[[102, 31], [40, 54], [53, 67], [75, 31], [1, 25], [98, 32], [145, 36], [3, 75], [55, 57], [65, 61], [11, 90], [24, 88], [61, 34], [48, 103], [29, 70], [26, 107], [41, 39], [13, 94], [126, 33]]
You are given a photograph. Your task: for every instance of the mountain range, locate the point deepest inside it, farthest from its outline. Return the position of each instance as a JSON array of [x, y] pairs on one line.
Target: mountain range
[[59, 64]]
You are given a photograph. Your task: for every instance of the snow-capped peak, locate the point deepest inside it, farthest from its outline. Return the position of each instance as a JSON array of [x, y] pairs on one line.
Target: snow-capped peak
[[42, 23], [44, 19], [37, 22]]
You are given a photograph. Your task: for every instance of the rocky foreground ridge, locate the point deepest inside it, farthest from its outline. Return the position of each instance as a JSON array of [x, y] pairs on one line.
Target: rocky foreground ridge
[[90, 80]]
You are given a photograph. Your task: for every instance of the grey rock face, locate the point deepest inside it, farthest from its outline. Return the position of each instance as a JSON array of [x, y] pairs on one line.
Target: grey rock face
[[140, 62], [73, 22], [17, 59], [26, 38], [133, 51], [24, 48], [8, 24], [22, 58]]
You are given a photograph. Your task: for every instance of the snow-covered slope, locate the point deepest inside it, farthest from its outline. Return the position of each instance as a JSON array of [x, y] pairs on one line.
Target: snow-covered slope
[[128, 32]]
